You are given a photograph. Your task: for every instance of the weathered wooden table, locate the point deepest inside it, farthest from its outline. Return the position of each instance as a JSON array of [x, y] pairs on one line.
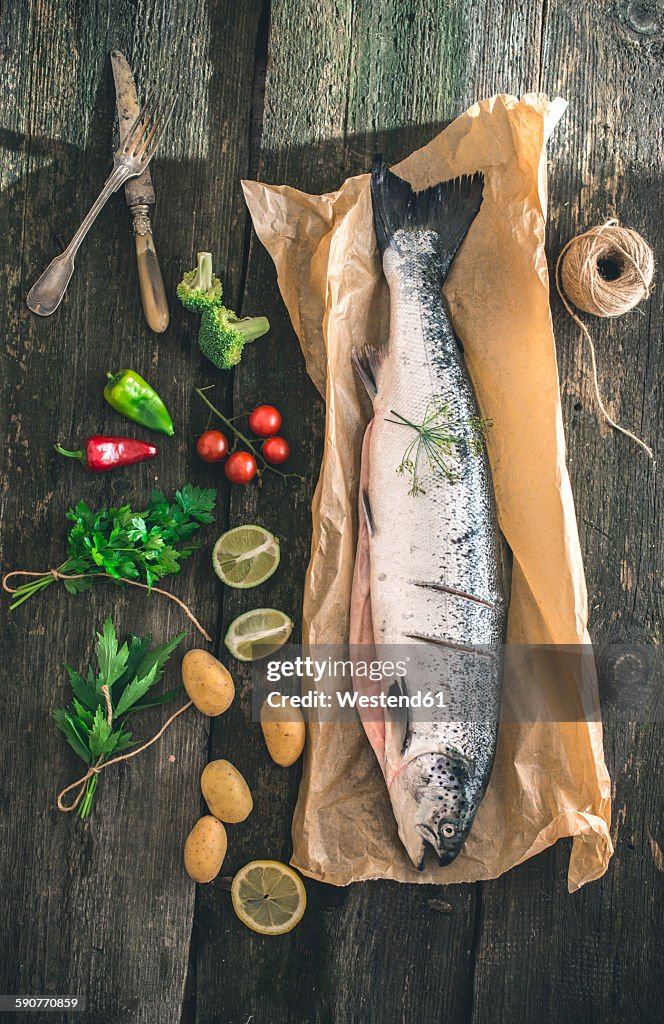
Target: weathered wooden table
[[299, 92]]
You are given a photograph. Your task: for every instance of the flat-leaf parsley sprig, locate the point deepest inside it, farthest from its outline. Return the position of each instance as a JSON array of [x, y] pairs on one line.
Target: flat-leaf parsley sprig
[[441, 440], [138, 548], [94, 722]]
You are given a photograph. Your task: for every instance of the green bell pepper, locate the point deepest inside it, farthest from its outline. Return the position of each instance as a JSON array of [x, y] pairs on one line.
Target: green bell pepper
[[132, 396]]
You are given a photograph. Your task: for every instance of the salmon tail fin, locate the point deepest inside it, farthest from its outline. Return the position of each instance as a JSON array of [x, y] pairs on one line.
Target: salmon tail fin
[[448, 208]]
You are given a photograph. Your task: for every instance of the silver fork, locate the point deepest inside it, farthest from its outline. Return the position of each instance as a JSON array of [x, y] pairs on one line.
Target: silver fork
[[129, 161]]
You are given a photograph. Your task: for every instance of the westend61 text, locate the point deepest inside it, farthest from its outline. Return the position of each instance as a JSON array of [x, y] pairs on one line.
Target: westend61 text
[[349, 699]]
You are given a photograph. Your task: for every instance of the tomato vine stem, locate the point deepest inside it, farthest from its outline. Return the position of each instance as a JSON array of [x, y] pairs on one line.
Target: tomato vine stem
[[256, 452]]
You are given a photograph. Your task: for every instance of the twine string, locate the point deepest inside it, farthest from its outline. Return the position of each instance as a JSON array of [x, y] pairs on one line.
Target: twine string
[[57, 575], [97, 768], [109, 707], [100, 764], [579, 280]]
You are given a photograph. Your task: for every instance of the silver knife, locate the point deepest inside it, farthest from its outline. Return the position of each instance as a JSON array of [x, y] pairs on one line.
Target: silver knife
[[139, 194]]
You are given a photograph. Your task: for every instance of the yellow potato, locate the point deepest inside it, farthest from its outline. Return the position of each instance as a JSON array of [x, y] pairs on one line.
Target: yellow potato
[[205, 849], [208, 682], [284, 732], [225, 792]]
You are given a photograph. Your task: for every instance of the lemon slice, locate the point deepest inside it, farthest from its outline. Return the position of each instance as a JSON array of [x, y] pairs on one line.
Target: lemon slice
[[245, 556], [258, 633], [268, 897]]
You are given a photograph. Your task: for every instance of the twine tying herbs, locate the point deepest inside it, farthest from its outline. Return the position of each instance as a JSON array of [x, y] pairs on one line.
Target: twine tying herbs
[[97, 768], [109, 707], [57, 575], [605, 271], [94, 721]]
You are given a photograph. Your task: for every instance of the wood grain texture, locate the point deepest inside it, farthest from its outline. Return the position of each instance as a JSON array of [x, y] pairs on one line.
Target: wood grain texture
[[596, 956], [103, 909], [302, 93]]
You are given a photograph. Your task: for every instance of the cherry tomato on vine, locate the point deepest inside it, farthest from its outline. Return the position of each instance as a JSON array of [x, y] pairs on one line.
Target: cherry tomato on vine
[[212, 446], [276, 450], [240, 467], [265, 420]]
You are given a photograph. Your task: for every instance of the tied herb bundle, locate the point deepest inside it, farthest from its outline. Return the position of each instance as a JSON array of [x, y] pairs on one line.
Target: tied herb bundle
[[127, 546], [94, 722]]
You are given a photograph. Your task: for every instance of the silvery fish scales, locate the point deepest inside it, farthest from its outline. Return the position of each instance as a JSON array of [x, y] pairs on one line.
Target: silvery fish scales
[[435, 566]]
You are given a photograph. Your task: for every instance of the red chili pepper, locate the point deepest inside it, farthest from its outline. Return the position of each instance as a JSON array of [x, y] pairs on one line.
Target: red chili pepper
[[102, 453]]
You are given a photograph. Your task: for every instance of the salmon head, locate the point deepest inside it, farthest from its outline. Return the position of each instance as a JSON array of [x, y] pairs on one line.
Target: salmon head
[[434, 798]]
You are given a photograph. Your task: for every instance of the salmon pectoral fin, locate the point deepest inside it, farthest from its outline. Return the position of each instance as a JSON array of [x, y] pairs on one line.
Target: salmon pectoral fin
[[361, 634], [397, 731]]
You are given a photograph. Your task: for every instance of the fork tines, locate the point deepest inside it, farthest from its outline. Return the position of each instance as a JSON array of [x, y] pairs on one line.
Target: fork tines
[[145, 133]]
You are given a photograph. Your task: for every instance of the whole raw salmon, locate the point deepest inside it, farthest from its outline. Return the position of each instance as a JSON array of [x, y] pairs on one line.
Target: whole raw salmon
[[429, 567]]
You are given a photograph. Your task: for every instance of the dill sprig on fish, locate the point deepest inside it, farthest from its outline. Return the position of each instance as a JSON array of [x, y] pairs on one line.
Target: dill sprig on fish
[[442, 440]]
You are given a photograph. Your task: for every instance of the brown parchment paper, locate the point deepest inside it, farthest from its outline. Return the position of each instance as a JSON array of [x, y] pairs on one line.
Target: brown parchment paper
[[549, 778]]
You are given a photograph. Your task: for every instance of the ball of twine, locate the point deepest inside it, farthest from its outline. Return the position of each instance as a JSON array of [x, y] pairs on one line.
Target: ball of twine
[[608, 270], [605, 271]]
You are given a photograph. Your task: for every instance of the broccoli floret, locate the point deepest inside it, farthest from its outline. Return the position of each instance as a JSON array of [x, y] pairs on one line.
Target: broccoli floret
[[222, 335], [200, 289]]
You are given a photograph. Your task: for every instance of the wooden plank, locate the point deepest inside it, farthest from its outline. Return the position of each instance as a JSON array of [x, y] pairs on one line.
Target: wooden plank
[[343, 79], [596, 955], [104, 909]]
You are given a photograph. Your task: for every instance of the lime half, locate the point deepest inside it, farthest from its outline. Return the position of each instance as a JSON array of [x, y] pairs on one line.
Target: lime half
[[245, 556], [268, 897], [258, 633]]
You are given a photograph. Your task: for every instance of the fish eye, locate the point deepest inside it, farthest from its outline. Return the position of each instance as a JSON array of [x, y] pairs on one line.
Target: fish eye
[[449, 831]]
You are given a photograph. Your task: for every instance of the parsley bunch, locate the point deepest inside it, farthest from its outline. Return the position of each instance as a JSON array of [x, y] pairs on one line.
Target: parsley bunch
[[127, 545], [94, 722]]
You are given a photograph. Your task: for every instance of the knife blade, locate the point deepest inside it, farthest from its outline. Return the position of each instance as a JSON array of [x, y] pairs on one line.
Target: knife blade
[[139, 194]]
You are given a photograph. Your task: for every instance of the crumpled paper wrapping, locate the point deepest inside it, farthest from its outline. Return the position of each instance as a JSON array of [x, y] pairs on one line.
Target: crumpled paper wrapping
[[549, 778]]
